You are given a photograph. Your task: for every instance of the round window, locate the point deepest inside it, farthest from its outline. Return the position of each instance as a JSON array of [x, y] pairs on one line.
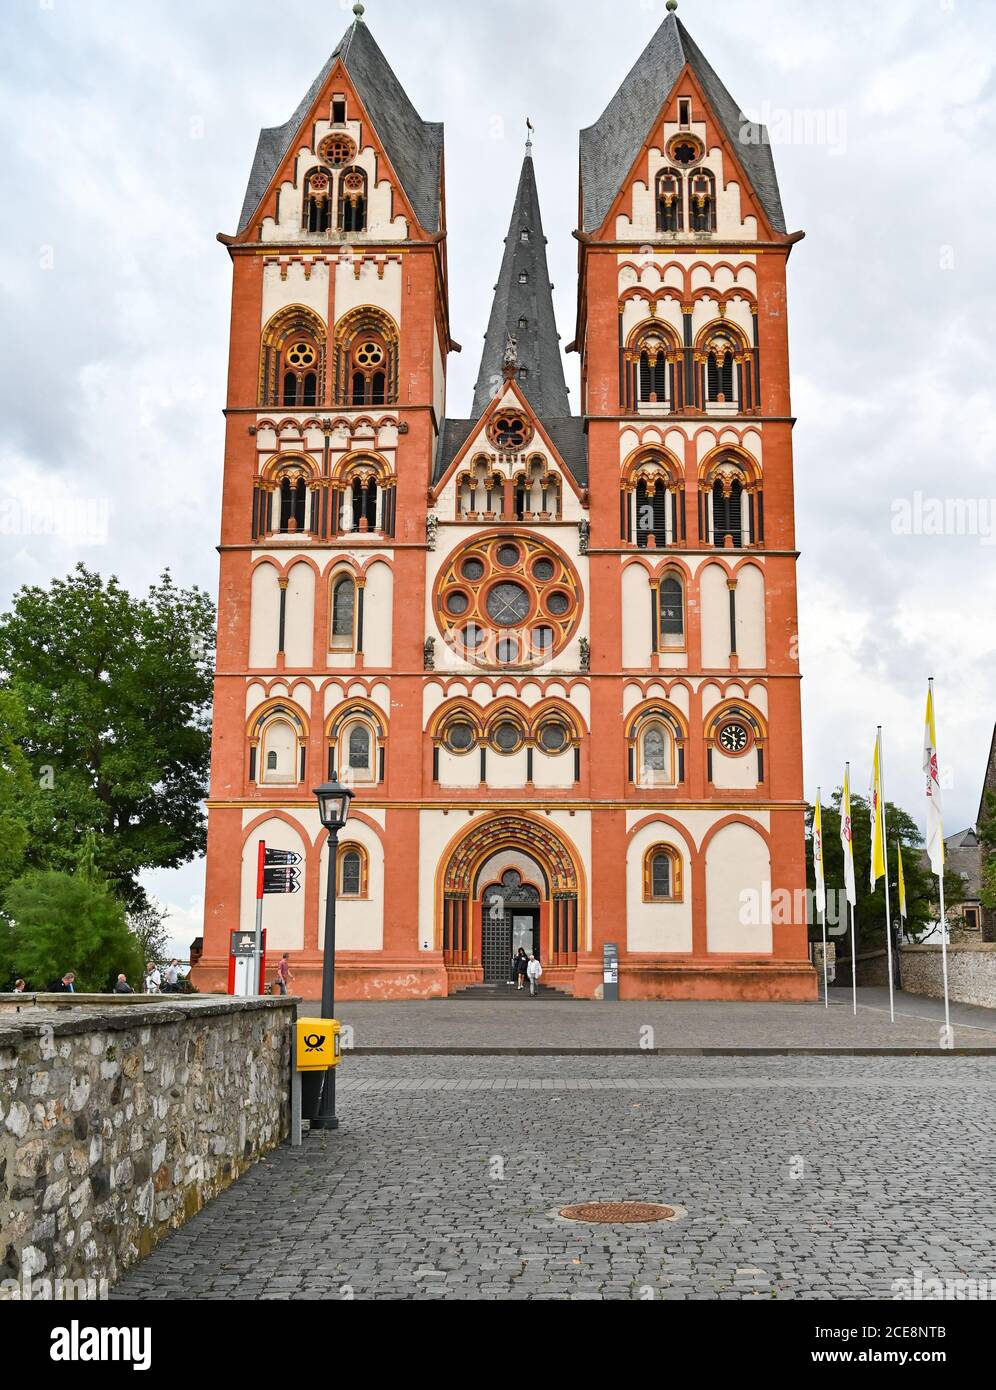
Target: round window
[[508, 651], [472, 636], [507, 738], [457, 603], [543, 570], [558, 604], [553, 737], [369, 354], [472, 569], [508, 604], [508, 555], [301, 355], [542, 639], [459, 738]]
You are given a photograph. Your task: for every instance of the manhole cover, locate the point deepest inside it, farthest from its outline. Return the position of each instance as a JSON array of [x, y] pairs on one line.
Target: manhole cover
[[618, 1213]]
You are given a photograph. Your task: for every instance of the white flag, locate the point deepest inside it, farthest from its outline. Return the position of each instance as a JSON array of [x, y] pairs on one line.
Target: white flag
[[818, 872], [846, 838], [935, 827]]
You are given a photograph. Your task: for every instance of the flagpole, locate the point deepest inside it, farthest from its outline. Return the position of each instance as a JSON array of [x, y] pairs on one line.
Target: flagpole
[[940, 889], [853, 906], [823, 914], [885, 861]]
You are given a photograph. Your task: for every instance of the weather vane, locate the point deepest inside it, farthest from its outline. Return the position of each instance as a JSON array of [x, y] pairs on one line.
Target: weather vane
[[529, 137]]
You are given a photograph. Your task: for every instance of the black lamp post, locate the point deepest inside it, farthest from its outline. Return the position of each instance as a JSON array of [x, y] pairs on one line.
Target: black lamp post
[[333, 810]]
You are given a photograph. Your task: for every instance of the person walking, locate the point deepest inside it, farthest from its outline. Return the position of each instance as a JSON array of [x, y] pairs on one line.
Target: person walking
[[153, 979], [171, 981], [122, 986], [284, 976], [534, 970], [520, 967]]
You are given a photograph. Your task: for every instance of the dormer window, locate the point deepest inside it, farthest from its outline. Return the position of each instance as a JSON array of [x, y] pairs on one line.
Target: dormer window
[[684, 112], [523, 373], [524, 235], [523, 323], [523, 278], [338, 110]]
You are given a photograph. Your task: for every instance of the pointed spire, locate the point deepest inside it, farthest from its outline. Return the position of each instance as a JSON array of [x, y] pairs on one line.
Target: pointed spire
[[522, 329]]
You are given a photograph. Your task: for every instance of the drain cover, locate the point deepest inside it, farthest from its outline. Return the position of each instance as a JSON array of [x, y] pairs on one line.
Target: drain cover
[[617, 1213]]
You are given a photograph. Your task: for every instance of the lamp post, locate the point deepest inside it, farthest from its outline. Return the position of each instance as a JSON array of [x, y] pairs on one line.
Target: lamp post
[[333, 810]]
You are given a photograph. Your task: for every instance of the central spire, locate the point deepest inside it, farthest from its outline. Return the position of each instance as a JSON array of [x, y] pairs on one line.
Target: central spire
[[522, 315]]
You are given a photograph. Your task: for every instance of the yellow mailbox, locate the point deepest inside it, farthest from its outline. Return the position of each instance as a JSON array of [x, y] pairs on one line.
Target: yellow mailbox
[[318, 1044]]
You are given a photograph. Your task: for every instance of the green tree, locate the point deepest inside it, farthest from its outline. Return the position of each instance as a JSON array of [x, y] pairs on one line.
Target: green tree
[[148, 926], [16, 788], [58, 922], [987, 837], [116, 695], [921, 885]]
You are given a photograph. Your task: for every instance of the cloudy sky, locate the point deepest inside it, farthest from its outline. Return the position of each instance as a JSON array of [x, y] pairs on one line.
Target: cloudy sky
[[130, 127]]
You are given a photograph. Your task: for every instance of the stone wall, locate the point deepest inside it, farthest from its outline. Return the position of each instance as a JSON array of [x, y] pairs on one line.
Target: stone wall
[[971, 972], [118, 1122]]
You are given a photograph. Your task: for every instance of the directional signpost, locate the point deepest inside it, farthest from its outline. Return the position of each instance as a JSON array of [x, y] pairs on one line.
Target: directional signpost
[[276, 872]]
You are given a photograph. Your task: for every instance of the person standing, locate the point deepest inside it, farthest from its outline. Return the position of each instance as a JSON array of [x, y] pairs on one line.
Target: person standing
[[153, 979], [172, 979], [521, 966], [67, 985], [122, 986], [284, 976], [19, 986], [534, 970]]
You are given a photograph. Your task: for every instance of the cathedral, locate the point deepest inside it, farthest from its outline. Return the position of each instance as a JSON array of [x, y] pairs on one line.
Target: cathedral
[[552, 652]]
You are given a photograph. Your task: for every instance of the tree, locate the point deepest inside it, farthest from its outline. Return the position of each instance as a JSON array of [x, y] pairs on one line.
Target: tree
[[987, 838], [148, 926], [921, 886], [16, 789], [58, 922], [116, 695]]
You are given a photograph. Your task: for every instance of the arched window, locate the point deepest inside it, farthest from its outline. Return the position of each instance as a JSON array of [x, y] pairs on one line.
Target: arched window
[[317, 215], [651, 357], [727, 512], [662, 875], [657, 749], [279, 753], [343, 613], [733, 507], [366, 359], [352, 200], [670, 212], [537, 492], [292, 359], [359, 750], [293, 504], [652, 501], [702, 200], [353, 872], [672, 612], [366, 497], [356, 746]]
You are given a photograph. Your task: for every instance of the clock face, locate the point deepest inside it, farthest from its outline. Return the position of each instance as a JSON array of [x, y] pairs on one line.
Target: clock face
[[733, 738]]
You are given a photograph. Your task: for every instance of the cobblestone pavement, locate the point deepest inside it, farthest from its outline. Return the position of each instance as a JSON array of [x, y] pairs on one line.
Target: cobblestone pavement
[[805, 1177], [457, 1023]]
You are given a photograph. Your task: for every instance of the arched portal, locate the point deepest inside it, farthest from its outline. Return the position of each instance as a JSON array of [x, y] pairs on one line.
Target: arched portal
[[504, 867]]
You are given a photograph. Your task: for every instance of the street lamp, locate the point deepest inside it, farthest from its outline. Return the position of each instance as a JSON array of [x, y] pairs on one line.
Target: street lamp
[[333, 811]]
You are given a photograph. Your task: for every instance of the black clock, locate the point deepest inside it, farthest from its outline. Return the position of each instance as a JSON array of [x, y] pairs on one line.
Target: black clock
[[733, 738]]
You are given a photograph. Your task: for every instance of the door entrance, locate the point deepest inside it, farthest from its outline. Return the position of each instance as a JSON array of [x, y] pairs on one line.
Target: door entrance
[[510, 919]]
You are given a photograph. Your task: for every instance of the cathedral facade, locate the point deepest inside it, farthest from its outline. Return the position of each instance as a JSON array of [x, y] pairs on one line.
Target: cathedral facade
[[554, 654]]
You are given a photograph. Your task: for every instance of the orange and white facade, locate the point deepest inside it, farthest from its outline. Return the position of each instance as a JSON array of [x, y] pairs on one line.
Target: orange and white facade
[[553, 654]]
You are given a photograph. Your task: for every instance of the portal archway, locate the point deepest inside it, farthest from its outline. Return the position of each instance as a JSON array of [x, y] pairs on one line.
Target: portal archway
[[477, 860]]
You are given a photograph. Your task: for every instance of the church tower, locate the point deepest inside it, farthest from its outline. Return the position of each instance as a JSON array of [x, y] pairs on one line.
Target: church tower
[[554, 654]]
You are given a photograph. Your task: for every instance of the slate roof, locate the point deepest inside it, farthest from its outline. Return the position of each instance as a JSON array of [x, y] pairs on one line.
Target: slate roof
[[611, 146], [414, 146], [538, 343]]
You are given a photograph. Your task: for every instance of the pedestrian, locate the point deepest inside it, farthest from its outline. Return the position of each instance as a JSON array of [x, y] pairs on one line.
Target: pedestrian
[[67, 985], [122, 986], [19, 986], [153, 979], [284, 976], [172, 982], [534, 970], [519, 967]]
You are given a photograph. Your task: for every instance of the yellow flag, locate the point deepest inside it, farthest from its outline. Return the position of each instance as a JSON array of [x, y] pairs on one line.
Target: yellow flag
[[877, 818], [935, 828], [902, 882]]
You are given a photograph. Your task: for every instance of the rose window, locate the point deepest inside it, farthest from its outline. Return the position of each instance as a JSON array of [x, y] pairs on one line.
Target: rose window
[[508, 601]]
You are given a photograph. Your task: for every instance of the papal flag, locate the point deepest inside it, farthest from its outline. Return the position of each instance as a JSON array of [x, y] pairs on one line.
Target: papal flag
[[902, 881], [846, 838], [877, 817], [818, 869], [935, 827]]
